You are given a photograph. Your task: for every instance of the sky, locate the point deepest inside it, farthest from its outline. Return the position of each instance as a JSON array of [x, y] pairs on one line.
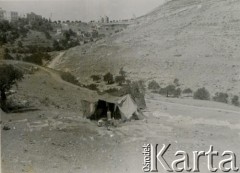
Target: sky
[[84, 10]]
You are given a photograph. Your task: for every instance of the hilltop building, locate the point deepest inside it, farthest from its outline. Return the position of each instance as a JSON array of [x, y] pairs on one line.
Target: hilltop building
[[10, 16], [2, 14], [104, 19], [33, 17]]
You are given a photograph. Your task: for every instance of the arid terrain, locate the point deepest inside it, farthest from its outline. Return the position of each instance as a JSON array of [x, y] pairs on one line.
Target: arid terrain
[[194, 41], [56, 137]]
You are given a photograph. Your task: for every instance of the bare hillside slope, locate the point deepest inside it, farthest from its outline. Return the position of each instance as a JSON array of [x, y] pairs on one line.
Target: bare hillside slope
[[197, 42]]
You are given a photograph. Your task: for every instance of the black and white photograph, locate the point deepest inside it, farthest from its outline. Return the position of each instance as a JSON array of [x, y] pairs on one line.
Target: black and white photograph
[[119, 86]]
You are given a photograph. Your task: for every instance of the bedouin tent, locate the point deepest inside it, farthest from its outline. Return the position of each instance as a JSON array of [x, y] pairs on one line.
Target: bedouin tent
[[124, 107]]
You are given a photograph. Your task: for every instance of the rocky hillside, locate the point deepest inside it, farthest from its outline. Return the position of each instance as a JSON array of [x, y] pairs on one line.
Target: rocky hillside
[[197, 42]]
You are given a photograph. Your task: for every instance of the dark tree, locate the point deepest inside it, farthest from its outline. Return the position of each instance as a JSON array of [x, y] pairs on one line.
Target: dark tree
[[8, 77], [235, 101], [122, 72], [202, 94], [120, 80], [96, 77], [108, 78], [153, 85]]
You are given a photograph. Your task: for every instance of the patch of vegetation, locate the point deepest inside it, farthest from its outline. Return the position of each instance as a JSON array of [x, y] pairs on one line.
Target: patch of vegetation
[[120, 80], [122, 72], [221, 97], [202, 94], [37, 58], [93, 87], [177, 92], [235, 101], [9, 76], [187, 91], [111, 90], [96, 78], [176, 82], [153, 85], [169, 90], [108, 78], [68, 77]]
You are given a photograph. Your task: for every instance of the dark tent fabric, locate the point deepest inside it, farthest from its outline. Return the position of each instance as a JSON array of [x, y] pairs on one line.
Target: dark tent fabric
[[126, 106]]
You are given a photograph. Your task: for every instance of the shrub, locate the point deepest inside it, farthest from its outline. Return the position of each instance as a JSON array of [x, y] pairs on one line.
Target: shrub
[[235, 101], [8, 77], [68, 77], [8, 56], [176, 82], [202, 94], [221, 97], [167, 91], [96, 77], [92, 87], [20, 44], [153, 85], [120, 80], [108, 78], [111, 90], [177, 92], [37, 58], [122, 72], [187, 91], [47, 35]]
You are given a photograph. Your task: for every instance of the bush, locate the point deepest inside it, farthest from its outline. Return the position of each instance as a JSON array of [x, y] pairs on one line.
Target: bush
[[167, 91], [202, 94], [122, 72], [153, 85], [111, 90], [120, 80], [187, 91], [8, 56], [92, 87], [221, 97], [68, 77], [37, 58], [9, 76], [20, 44], [235, 101], [108, 78], [177, 92], [176, 82], [96, 77]]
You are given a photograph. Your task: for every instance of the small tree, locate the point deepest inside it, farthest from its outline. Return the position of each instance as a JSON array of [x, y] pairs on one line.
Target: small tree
[[96, 77], [221, 97], [170, 89], [202, 94], [176, 82], [122, 72], [177, 92], [68, 77], [56, 45], [8, 77], [235, 101], [20, 44], [108, 78], [187, 91], [153, 85], [120, 80]]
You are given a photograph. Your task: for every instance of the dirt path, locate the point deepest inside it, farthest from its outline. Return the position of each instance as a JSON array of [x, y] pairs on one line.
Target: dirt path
[[56, 60], [197, 107]]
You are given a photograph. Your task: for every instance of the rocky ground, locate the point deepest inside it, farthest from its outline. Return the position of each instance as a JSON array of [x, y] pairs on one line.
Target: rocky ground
[[194, 41], [56, 138]]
